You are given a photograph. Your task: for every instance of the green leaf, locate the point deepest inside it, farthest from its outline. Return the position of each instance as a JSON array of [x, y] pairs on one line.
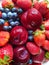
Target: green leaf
[[47, 55], [42, 27], [6, 58]]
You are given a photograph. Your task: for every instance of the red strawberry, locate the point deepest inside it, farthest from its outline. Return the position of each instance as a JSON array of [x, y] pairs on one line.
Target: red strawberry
[[36, 64], [21, 54], [41, 6], [24, 4], [6, 54], [7, 4], [40, 57], [47, 34], [46, 45], [19, 35], [32, 48], [39, 37], [4, 38], [46, 24]]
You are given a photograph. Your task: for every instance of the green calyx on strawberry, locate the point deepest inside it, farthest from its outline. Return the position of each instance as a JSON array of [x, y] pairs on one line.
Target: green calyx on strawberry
[[47, 55], [42, 27], [7, 4], [39, 37], [5, 60], [6, 54]]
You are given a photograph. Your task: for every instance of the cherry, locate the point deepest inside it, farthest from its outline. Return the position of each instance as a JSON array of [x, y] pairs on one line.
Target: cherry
[[31, 19], [24, 21], [19, 35], [34, 18], [21, 54]]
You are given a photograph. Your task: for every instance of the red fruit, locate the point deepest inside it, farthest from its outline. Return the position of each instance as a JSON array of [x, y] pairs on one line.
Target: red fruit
[[36, 64], [19, 35], [39, 37], [4, 38], [24, 4], [7, 4], [41, 7], [47, 15], [34, 18], [0, 14], [14, 1], [40, 57], [6, 23], [31, 19], [46, 45], [21, 54], [25, 22], [32, 48], [47, 34], [6, 53], [46, 24]]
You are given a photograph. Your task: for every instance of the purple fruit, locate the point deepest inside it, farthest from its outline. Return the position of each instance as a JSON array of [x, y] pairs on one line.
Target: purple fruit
[[21, 54]]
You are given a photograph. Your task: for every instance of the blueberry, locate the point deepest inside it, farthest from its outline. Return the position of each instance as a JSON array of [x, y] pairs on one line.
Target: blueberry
[[10, 15], [14, 9], [10, 27], [7, 10], [1, 21], [10, 20], [20, 11], [12, 23], [17, 23], [4, 15], [30, 38], [30, 61], [15, 15], [17, 19], [30, 32], [5, 28], [1, 9]]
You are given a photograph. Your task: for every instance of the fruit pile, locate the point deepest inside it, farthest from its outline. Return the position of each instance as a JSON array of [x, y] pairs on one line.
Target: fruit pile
[[24, 32]]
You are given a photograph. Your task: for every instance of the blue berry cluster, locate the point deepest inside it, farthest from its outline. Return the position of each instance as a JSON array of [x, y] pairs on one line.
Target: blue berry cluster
[[11, 16]]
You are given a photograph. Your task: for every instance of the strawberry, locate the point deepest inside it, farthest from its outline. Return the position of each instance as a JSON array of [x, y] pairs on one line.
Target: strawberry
[[24, 4], [32, 48], [7, 4], [36, 64], [40, 57], [6, 54], [46, 45], [47, 34], [46, 25], [39, 37], [42, 6], [4, 38]]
